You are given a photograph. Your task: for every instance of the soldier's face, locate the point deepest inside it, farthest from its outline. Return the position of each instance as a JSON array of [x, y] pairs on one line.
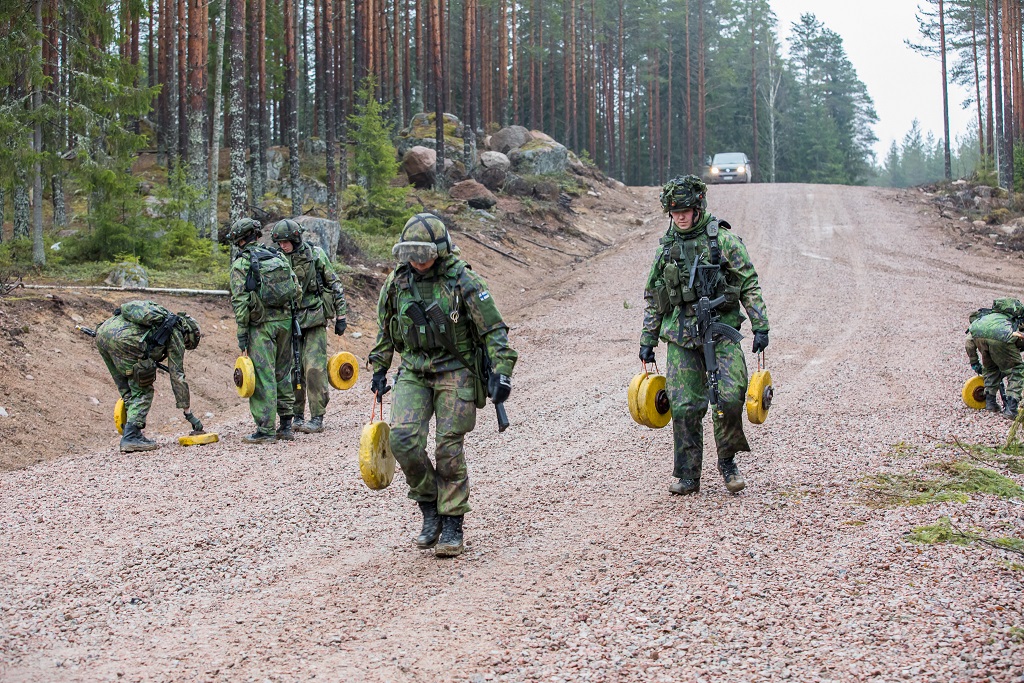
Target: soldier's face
[[287, 246], [683, 219], [423, 266]]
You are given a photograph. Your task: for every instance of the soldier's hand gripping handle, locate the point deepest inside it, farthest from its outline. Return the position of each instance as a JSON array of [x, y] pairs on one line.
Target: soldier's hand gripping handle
[[760, 341], [379, 384], [647, 354], [197, 426]]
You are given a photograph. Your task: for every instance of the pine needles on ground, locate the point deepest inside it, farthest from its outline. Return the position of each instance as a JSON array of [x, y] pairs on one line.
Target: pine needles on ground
[[952, 482], [944, 531]]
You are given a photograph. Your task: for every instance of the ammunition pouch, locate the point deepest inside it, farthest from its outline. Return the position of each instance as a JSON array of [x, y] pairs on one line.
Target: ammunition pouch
[[144, 372]]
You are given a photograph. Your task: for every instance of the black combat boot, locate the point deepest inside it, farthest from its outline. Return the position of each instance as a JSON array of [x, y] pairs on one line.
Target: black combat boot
[[450, 544], [685, 487], [1010, 408], [734, 481], [133, 440], [260, 437], [992, 404], [298, 422], [314, 426], [284, 432], [431, 526]]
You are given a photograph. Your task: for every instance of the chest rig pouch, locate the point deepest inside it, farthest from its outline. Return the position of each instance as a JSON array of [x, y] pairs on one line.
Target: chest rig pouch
[[678, 285], [428, 315]]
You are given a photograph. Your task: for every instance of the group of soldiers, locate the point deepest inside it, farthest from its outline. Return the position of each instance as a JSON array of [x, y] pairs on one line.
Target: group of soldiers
[[994, 344], [433, 310]]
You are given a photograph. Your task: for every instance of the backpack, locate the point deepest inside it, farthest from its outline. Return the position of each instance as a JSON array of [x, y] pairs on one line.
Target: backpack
[[270, 273], [158, 319], [1011, 308]]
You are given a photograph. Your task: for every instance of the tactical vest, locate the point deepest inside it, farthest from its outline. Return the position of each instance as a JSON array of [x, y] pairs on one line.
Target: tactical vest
[[680, 255], [428, 310]]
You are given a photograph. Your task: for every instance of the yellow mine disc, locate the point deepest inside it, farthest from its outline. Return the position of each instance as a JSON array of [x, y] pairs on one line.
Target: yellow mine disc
[[759, 396], [376, 462], [198, 439], [120, 415], [653, 402], [633, 397], [244, 377], [342, 370], [974, 393]]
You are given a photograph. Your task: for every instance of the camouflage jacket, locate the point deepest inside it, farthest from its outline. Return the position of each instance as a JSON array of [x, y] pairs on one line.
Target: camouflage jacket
[[677, 324], [317, 278], [248, 308], [994, 327], [126, 343], [463, 297]]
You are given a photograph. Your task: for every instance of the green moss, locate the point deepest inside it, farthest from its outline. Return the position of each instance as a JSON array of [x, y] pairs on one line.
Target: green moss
[[952, 482], [535, 144]]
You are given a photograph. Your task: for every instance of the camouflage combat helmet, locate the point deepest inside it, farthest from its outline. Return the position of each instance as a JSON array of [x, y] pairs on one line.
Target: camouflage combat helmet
[[287, 230], [244, 229], [190, 330], [684, 192], [424, 237]]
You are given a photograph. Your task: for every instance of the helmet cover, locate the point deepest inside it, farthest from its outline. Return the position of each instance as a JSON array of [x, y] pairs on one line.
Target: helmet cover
[[244, 229], [424, 237], [684, 192], [189, 330], [287, 230]]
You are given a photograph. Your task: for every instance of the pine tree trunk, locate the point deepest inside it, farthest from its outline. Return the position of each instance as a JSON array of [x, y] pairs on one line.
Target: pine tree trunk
[[22, 204], [260, 182], [621, 151], [330, 125], [218, 121], [688, 64], [701, 85], [997, 75], [753, 90], [3, 202], [947, 162], [989, 84], [236, 134], [515, 65], [182, 71], [977, 83], [161, 78], [437, 60], [1006, 160], [38, 248], [290, 114], [197, 160]]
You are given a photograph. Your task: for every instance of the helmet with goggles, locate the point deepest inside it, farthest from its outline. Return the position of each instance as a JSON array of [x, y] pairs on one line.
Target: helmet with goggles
[[423, 238]]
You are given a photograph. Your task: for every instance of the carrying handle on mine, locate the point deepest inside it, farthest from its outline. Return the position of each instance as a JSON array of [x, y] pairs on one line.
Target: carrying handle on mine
[[373, 408], [646, 371], [762, 364]]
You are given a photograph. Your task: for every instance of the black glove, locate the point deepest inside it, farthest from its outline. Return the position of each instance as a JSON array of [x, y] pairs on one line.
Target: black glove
[[243, 341], [760, 341], [978, 368], [339, 326], [197, 426], [499, 387], [379, 384], [647, 354]]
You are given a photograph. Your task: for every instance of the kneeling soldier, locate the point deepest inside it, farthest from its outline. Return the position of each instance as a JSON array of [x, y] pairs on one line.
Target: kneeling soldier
[[439, 315], [139, 335]]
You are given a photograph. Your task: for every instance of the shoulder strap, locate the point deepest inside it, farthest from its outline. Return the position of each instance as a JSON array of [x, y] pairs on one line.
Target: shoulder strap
[[714, 251]]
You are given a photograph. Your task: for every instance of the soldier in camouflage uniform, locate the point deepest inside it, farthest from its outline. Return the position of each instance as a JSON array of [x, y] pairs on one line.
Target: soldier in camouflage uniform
[[1000, 331], [322, 299], [439, 315], [981, 362], [123, 345], [696, 235], [264, 333]]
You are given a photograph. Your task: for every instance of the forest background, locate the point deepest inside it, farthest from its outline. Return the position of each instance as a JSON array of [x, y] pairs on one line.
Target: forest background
[[643, 89]]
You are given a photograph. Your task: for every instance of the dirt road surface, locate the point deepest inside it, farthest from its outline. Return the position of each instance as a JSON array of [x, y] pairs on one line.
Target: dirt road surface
[[278, 564]]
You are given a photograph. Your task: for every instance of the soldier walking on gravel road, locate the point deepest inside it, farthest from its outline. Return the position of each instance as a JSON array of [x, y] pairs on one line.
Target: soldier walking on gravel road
[[264, 291], [322, 300], [139, 335], [439, 315], [697, 243], [1000, 331]]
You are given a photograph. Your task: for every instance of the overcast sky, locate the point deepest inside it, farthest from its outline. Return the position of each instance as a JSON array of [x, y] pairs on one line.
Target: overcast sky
[[903, 84]]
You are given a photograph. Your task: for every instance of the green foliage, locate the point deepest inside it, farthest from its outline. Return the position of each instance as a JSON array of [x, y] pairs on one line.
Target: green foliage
[[374, 161], [952, 482], [940, 532]]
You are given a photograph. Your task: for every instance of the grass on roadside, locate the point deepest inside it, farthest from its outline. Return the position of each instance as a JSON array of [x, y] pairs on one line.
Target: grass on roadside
[[944, 531], [942, 482]]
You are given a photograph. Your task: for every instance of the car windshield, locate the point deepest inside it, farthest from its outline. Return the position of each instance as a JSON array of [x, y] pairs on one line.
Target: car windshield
[[730, 158]]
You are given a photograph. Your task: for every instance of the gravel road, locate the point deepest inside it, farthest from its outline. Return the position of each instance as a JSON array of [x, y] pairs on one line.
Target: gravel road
[[276, 563]]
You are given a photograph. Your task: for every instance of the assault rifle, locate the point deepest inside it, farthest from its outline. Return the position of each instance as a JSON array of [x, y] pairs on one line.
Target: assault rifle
[[296, 350], [707, 325], [92, 333]]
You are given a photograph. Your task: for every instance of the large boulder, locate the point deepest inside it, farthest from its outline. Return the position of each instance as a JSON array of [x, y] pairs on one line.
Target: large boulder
[[541, 135], [322, 232], [311, 189], [128, 275], [422, 132], [508, 139], [474, 194], [540, 157], [493, 178], [277, 157], [492, 159], [419, 164]]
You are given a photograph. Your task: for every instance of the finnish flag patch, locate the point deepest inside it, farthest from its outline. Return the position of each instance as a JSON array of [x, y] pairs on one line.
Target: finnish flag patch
[[484, 295]]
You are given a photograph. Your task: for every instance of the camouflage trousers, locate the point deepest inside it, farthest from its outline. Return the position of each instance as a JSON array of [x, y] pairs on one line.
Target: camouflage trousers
[[686, 381], [314, 373], [990, 371], [448, 397], [1005, 356], [137, 400], [270, 348]]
